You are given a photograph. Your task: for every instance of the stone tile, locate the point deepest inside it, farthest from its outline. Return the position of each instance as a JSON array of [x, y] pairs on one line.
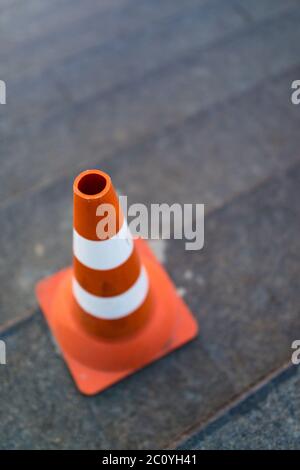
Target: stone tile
[[155, 44], [218, 154], [267, 420], [282, 118], [36, 240], [40, 408], [99, 128], [45, 411], [111, 47], [70, 37], [262, 9], [243, 284], [33, 23]]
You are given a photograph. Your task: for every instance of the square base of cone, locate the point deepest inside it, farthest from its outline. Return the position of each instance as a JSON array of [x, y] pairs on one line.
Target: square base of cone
[[90, 381]]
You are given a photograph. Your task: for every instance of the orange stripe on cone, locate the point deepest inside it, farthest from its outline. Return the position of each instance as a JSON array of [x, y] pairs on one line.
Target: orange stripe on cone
[[92, 189], [110, 282]]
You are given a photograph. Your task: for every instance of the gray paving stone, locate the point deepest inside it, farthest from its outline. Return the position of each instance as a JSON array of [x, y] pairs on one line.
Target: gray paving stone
[[25, 24], [195, 27], [40, 408], [267, 420], [68, 34], [100, 48], [219, 153], [67, 16], [244, 283], [45, 411], [261, 9], [36, 251], [115, 122]]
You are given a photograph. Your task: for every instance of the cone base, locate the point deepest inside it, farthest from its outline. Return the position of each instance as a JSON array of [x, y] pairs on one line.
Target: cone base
[[106, 362]]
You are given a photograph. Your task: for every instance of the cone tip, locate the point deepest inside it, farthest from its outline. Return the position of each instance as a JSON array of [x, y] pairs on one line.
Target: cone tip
[[92, 184]]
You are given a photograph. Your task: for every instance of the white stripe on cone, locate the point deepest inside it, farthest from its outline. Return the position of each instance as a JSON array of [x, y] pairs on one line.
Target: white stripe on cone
[[106, 254], [115, 307]]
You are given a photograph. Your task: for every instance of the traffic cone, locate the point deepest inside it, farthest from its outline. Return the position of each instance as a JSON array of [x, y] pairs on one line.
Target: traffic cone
[[115, 310]]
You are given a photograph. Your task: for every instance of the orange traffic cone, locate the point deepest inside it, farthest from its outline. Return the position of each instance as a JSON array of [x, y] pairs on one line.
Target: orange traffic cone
[[116, 310]]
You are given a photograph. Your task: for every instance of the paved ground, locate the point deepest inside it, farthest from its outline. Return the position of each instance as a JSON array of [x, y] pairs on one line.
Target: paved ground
[[179, 102], [268, 419]]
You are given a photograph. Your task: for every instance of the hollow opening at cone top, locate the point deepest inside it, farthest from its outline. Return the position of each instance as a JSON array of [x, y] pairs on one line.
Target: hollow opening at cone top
[[92, 183]]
